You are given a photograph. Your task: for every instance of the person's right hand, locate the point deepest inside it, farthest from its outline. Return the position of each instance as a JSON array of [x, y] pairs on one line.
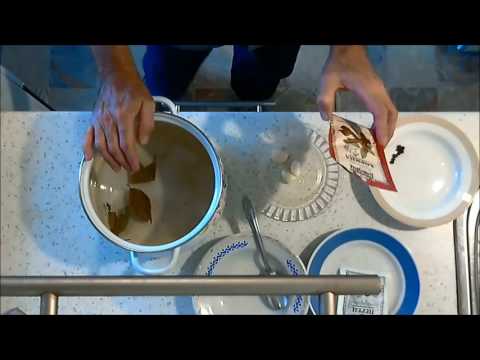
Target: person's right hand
[[348, 68], [122, 116]]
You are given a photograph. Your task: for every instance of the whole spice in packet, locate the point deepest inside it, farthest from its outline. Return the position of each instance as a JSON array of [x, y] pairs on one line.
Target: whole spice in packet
[[355, 149]]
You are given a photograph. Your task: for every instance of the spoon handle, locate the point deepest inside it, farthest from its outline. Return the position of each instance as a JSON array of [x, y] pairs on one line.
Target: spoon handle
[[252, 221]]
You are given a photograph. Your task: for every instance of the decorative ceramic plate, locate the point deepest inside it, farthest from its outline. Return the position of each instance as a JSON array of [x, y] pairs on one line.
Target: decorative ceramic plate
[[435, 169], [376, 252], [238, 255], [306, 195]]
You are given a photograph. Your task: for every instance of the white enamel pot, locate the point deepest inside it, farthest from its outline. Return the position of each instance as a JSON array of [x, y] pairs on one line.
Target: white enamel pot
[[171, 249]]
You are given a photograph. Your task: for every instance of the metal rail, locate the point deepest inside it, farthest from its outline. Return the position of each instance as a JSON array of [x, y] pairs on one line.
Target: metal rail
[[460, 240], [328, 303], [466, 229], [244, 105], [49, 304], [218, 105], [50, 288]]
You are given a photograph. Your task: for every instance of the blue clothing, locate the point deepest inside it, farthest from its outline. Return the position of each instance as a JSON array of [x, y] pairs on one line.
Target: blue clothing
[[255, 74]]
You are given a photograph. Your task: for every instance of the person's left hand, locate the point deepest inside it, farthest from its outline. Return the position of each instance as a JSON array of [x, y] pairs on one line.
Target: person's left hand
[[348, 68]]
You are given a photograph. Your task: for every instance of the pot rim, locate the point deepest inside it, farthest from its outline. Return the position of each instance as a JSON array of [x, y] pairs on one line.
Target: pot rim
[[85, 199]]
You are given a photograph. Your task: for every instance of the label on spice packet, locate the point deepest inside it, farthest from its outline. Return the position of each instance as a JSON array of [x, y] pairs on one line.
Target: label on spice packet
[[362, 304], [355, 149]]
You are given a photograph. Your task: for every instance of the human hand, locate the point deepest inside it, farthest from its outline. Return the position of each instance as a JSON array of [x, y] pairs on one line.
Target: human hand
[[348, 68], [123, 116]]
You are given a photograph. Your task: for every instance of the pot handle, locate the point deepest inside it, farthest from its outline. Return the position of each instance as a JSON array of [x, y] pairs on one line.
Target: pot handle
[[166, 102], [154, 271]]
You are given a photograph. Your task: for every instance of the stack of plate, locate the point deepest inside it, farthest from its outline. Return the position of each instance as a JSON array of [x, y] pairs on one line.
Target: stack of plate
[[356, 248]]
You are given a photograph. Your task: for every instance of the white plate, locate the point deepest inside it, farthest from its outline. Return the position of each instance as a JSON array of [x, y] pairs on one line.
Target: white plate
[[436, 176], [238, 255]]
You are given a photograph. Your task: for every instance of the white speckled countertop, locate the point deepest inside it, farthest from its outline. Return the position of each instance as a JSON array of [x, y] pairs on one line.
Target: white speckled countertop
[[44, 230]]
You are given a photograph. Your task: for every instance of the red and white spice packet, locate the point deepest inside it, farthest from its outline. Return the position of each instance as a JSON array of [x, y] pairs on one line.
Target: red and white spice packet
[[355, 149]]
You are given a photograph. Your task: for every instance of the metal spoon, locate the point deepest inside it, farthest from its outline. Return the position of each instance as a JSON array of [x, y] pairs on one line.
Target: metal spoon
[[275, 302]]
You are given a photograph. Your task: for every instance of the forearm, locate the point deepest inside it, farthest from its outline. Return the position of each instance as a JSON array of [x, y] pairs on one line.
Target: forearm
[[339, 50], [114, 59], [348, 67]]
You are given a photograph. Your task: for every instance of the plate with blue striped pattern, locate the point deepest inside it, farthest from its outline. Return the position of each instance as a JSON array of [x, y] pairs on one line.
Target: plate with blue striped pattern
[[238, 255]]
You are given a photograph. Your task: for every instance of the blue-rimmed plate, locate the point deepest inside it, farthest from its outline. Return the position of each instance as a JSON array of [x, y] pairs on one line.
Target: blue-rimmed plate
[[376, 252], [238, 255]]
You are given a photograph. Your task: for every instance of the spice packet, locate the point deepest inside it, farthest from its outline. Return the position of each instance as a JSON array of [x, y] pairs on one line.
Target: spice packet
[[362, 304], [355, 149]]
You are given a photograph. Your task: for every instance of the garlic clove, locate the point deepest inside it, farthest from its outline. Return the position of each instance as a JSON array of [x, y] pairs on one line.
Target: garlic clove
[[279, 156], [295, 168], [287, 178]]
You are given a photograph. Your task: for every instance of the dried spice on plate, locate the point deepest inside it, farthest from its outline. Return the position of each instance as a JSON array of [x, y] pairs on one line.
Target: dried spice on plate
[[145, 174], [355, 149], [139, 205], [398, 151]]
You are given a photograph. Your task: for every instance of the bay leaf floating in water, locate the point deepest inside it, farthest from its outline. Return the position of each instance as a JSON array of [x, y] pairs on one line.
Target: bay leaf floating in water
[[139, 205], [117, 222], [145, 174]]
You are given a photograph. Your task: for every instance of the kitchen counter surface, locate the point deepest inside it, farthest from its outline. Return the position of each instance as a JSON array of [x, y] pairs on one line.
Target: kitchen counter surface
[[44, 230]]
